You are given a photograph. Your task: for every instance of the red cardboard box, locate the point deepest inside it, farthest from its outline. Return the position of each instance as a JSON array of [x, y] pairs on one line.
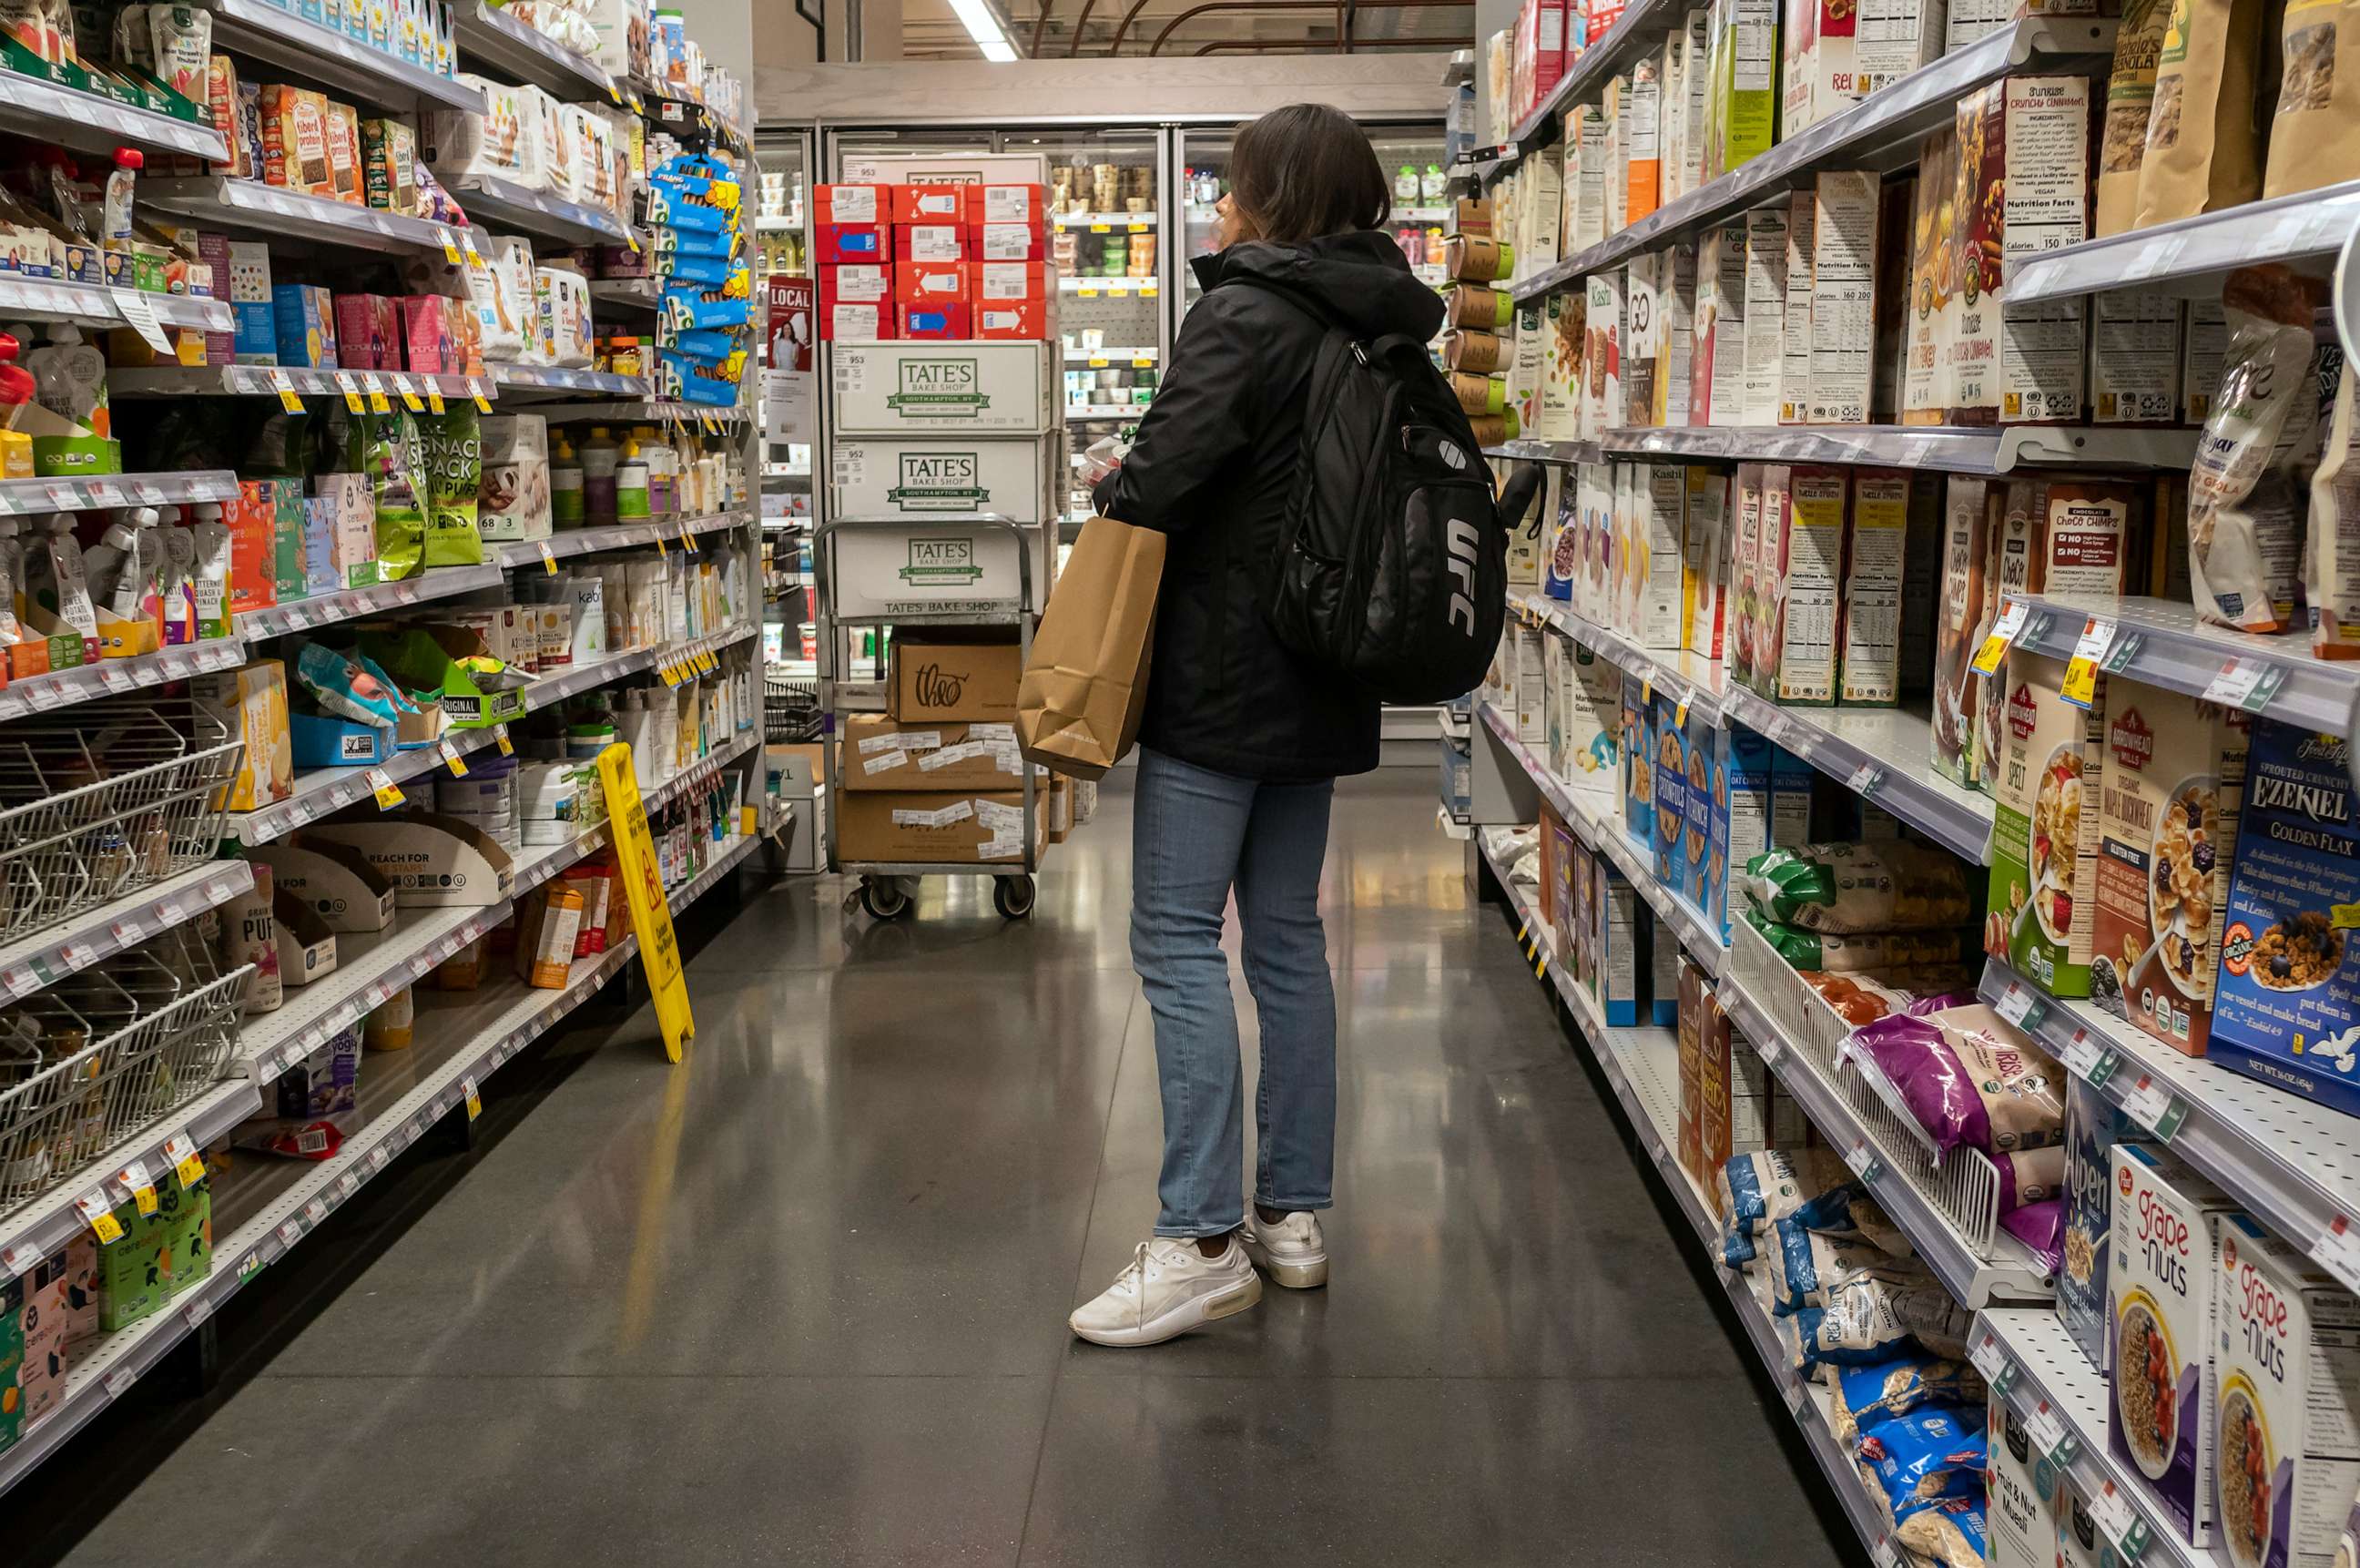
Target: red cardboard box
[[949, 319], [929, 242], [1012, 318], [426, 336], [1009, 204], [854, 283], [836, 243], [1008, 242], [930, 282], [368, 332], [856, 323], [852, 204], [930, 204], [992, 282]]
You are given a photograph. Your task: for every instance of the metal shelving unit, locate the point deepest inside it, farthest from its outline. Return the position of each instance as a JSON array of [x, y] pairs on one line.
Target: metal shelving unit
[[91, 304], [50, 112], [559, 378], [2190, 257], [26, 497], [527, 552], [489, 37], [1999, 449], [330, 56], [299, 615], [115, 677], [275, 380], [281, 214], [504, 204]]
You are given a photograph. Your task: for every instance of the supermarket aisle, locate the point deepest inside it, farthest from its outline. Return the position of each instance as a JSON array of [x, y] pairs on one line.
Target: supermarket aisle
[[803, 1300]]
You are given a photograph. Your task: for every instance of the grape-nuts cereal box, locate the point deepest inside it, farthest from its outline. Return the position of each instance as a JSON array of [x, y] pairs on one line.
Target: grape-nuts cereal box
[[2289, 983], [2286, 1429], [2044, 829], [2159, 1413]]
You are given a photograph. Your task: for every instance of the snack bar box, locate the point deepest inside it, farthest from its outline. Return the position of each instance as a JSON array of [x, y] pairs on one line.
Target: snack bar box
[[834, 244], [897, 388], [999, 320], [948, 321], [869, 203], [847, 322], [855, 283], [930, 204]]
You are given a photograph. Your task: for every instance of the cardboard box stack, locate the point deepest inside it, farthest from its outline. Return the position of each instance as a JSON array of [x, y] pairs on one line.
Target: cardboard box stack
[[935, 261], [936, 777]]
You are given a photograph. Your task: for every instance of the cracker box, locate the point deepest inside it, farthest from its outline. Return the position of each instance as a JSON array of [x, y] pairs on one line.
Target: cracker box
[[295, 139], [1870, 604], [851, 203], [2093, 1126], [1675, 335], [1802, 547], [2044, 830], [2173, 777], [2289, 988], [1602, 326], [2286, 1446], [2164, 1278], [305, 315]]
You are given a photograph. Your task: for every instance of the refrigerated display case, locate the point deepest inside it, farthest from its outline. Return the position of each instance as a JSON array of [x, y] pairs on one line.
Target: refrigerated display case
[[790, 413], [1411, 156]]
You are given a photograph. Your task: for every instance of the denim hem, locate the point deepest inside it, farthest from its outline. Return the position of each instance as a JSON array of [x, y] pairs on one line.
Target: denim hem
[[1290, 1206], [1182, 1234]]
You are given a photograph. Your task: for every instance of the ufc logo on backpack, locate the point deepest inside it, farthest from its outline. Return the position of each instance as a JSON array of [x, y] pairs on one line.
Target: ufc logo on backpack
[[1460, 540]]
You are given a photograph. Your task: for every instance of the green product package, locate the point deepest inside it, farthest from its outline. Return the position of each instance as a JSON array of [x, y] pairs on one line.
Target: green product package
[[385, 447], [1831, 952], [131, 1283], [1853, 888], [454, 465], [287, 537]]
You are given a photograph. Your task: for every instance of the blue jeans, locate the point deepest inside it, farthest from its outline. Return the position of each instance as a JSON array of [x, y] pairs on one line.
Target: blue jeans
[[1194, 834]]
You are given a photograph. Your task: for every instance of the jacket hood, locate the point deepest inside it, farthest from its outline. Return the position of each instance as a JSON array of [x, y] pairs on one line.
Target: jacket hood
[[1361, 278]]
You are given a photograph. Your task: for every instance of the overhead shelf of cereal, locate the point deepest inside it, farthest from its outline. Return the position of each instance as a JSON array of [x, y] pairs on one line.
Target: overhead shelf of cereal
[[386, 70]]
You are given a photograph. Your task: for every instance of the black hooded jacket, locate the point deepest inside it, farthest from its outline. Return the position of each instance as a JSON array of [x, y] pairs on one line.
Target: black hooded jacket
[[1211, 468]]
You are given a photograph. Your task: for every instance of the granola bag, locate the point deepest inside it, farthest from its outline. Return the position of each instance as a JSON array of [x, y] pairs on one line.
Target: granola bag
[[1968, 1077], [2315, 135], [2331, 560], [2130, 99], [1852, 888], [2246, 495], [1871, 1395], [2203, 135]]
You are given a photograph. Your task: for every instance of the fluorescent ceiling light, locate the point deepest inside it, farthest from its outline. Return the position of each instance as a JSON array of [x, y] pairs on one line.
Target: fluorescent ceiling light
[[984, 28]]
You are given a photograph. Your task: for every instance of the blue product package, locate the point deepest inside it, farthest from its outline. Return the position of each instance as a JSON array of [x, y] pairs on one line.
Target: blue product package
[[1877, 1392], [2093, 1126], [320, 572], [1561, 542], [2288, 996], [692, 241], [1933, 1453], [1669, 749], [730, 304], [687, 269], [304, 317], [1638, 764], [692, 203], [1793, 781], [1701, 866], [691, 380]]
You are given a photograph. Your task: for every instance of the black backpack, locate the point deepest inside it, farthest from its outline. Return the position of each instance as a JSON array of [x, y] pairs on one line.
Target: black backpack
[[1392, 562]]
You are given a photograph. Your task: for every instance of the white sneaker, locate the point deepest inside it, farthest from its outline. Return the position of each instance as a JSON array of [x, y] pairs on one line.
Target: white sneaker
[[1291, 1252], [1167, 1289]]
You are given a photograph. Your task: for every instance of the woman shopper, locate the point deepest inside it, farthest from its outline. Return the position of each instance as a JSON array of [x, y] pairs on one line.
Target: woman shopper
[[1241, 740]]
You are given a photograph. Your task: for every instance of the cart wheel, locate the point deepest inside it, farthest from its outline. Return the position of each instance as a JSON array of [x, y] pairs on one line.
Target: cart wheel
[[883, 898], [1012, 896]]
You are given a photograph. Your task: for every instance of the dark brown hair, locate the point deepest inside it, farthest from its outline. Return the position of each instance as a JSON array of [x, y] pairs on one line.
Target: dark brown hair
[[1307, 170]]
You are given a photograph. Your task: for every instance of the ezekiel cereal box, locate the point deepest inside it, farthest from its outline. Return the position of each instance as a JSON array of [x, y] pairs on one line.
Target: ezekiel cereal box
[[2285, 1002]]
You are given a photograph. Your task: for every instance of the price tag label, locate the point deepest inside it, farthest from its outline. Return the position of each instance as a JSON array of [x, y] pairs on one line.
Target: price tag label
[[548, 558], [2154, 1106], [170, 913], [1862, 1159], [2082, 669], [454, 759], [2113, 1511], [475, 391], [687, 540], [18, 1260], [389, 793], [475, 1101], [1989, 1356], [65, 498], [150, 494], [2338, 1248], [2045, 1427], [284, 385], [467, 244], [1770, 1047], [500, 735], [290, 1233], [139, 1185], [375, 387], [2083, 1056], [2021, 1006], [450, 246], [433, 395], [187, 1164], [380, 1156], [2248, 683], [138, 313], [118, 1380], [409, 390], [107, 494], [316, 1211], [126, 932], [2003, 634], [1865, 778], [99, 1215], [197, 1312], [661, 551], [348, 1183], [346, 384]]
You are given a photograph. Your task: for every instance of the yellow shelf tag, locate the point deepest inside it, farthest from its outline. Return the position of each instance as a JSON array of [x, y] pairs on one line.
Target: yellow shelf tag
[[284, 385], [451, 248], [475, 391], [187, 1164], [352, 391], [136, 1181], [688, 540], [501, 735], [475, 1101], [452, 760], [377, 399], [99, 1215], [409, 390], [2002, 632], [548, 559], [659, 546], [434, 396], [389, 793]]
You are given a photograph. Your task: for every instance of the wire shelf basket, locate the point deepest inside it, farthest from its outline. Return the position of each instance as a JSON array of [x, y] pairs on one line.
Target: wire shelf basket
[[95, 809], [789, 712], [107, 1053]]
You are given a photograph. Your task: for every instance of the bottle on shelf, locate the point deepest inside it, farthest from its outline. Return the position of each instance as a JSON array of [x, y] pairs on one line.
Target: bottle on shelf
[[631, 493], [1406, 183], [565, 485], [600, 453]]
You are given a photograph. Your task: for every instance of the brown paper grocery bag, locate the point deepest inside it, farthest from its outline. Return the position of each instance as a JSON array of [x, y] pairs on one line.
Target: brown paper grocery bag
[[1078, 707]]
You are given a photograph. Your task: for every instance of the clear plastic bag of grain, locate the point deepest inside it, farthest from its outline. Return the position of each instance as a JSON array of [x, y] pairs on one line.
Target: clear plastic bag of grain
[[2248, 490]]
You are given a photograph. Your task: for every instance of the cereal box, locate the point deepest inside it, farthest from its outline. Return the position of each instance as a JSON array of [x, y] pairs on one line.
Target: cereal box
[[1590, 701], [1705, 559], [2286, 1446], [1675, 333], [1659, 493], [2041, 914], [1717, 394], [1642, 335], [1738, 633], [1602, 326], [2016, 1517], [1765, 314], [2135, 357], [1802, 549], [1638, 757], [1871, 603], [2172, 776], [1742, 101], [1672, 803], [1704, 833], [1795, 364], [1843, 297], [2162, 1289], [2093, 1126], [1926, 364], [1617, 952], [2288, 989]]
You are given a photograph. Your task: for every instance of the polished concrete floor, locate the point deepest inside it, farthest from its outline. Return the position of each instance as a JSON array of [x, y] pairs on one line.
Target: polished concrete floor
[[802, 1299]]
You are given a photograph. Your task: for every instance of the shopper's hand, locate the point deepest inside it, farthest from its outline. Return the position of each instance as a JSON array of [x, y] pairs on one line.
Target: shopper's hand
[[1517, 495]]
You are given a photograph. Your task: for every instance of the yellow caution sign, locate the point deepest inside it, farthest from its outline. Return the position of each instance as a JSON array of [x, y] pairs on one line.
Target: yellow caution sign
[[634, 855]]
